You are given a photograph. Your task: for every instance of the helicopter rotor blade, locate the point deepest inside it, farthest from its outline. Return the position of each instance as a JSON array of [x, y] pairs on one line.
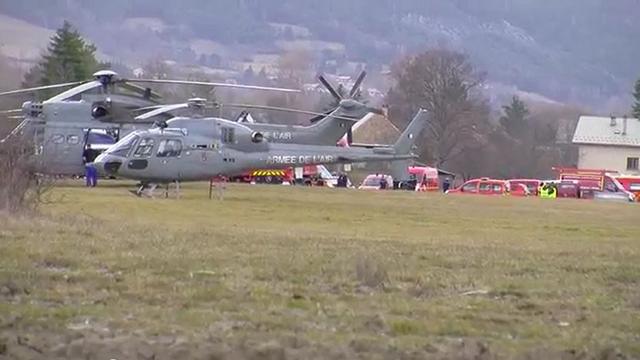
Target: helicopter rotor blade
[[275, 108], [139, 89], [161, 110], [327, 85], [15, 130], [83, 87], [317, 118], [214, 84], [356, 85], [147, 108], [12, 111], [39, 88]]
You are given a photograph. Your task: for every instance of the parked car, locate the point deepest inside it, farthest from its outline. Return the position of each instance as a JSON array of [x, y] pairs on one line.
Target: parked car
[[532, 185], [568, 189], [374, 182], [486, 186]]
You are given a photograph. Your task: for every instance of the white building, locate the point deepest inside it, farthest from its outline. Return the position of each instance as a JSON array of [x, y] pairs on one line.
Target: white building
[[610, 143]]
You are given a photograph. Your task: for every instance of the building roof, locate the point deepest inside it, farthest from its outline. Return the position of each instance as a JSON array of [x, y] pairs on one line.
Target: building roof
[[377, 130], [597, 130]]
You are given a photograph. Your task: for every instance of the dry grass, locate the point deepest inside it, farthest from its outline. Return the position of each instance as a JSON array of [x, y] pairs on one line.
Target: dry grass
[[369, 273]]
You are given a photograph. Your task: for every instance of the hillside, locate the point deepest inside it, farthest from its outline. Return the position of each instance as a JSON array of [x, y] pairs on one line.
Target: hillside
[[30, 43], [569, 50]]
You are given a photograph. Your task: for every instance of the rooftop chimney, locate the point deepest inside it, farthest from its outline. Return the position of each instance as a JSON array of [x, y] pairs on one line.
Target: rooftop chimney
[[613, 120], [624, 125]]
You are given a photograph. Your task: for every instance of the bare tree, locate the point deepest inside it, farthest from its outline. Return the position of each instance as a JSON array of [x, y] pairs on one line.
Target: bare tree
[[294, 68], [445, 83], [21, 188]]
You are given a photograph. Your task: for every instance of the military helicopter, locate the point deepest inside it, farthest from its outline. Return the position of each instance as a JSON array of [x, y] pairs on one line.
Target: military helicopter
[[60, 126], [325, 129], [187, 149]]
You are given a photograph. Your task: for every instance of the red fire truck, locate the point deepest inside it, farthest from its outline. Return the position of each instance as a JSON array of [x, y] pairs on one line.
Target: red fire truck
[[265, 176], [316, 175], [593, 183]]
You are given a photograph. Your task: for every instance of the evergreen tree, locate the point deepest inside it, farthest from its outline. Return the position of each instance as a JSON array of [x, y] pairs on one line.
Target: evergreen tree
[[636, 104], [68, 58], [514, 120]]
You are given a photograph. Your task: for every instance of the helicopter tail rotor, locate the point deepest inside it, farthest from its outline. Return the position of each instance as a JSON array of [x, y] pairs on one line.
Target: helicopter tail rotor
[[348, 102]]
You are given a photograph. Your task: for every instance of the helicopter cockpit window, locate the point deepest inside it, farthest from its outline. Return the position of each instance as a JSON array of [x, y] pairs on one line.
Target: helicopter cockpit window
[[144, 148], [169, 148], [122, 147]]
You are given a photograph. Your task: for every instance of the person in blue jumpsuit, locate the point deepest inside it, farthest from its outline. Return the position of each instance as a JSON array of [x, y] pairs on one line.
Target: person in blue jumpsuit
[[90, 172]]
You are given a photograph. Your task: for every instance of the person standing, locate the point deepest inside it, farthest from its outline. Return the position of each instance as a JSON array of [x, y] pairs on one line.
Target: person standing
[[90, 171], [446, 184], [383, 183]]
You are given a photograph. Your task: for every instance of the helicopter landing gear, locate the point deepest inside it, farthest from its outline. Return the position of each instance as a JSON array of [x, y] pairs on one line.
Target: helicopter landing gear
[[145, 189]]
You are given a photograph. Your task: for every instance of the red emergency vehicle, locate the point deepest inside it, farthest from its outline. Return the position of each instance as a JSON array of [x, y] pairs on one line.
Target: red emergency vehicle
[[595, 183], [265, 176], [486, 186], [316, 175], [630, 183], [426, 178], [532, 185]]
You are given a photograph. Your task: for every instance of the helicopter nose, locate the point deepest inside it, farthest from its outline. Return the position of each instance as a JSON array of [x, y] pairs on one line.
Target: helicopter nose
[[107, 165]]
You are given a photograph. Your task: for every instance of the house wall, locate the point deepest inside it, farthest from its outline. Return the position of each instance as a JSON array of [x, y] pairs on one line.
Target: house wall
[[607, 157]]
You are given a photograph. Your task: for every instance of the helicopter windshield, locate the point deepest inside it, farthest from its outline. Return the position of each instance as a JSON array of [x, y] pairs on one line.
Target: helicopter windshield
[[124, 146]]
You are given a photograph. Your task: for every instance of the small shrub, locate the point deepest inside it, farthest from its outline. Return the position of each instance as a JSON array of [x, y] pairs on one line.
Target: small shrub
[[371, 273]]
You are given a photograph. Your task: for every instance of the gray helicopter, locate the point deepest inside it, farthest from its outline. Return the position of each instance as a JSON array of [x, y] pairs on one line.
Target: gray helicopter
[[61, 126], [325, 129], [187, 149]]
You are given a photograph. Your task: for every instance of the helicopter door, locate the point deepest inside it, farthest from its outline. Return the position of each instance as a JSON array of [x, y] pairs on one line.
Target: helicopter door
[[63, 147], [169, 150]]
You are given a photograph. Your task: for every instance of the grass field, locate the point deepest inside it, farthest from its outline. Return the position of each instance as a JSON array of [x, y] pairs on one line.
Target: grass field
[[291, 272]]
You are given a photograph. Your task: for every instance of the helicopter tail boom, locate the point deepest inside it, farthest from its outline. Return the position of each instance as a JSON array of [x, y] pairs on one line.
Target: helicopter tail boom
[[408, 138]]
